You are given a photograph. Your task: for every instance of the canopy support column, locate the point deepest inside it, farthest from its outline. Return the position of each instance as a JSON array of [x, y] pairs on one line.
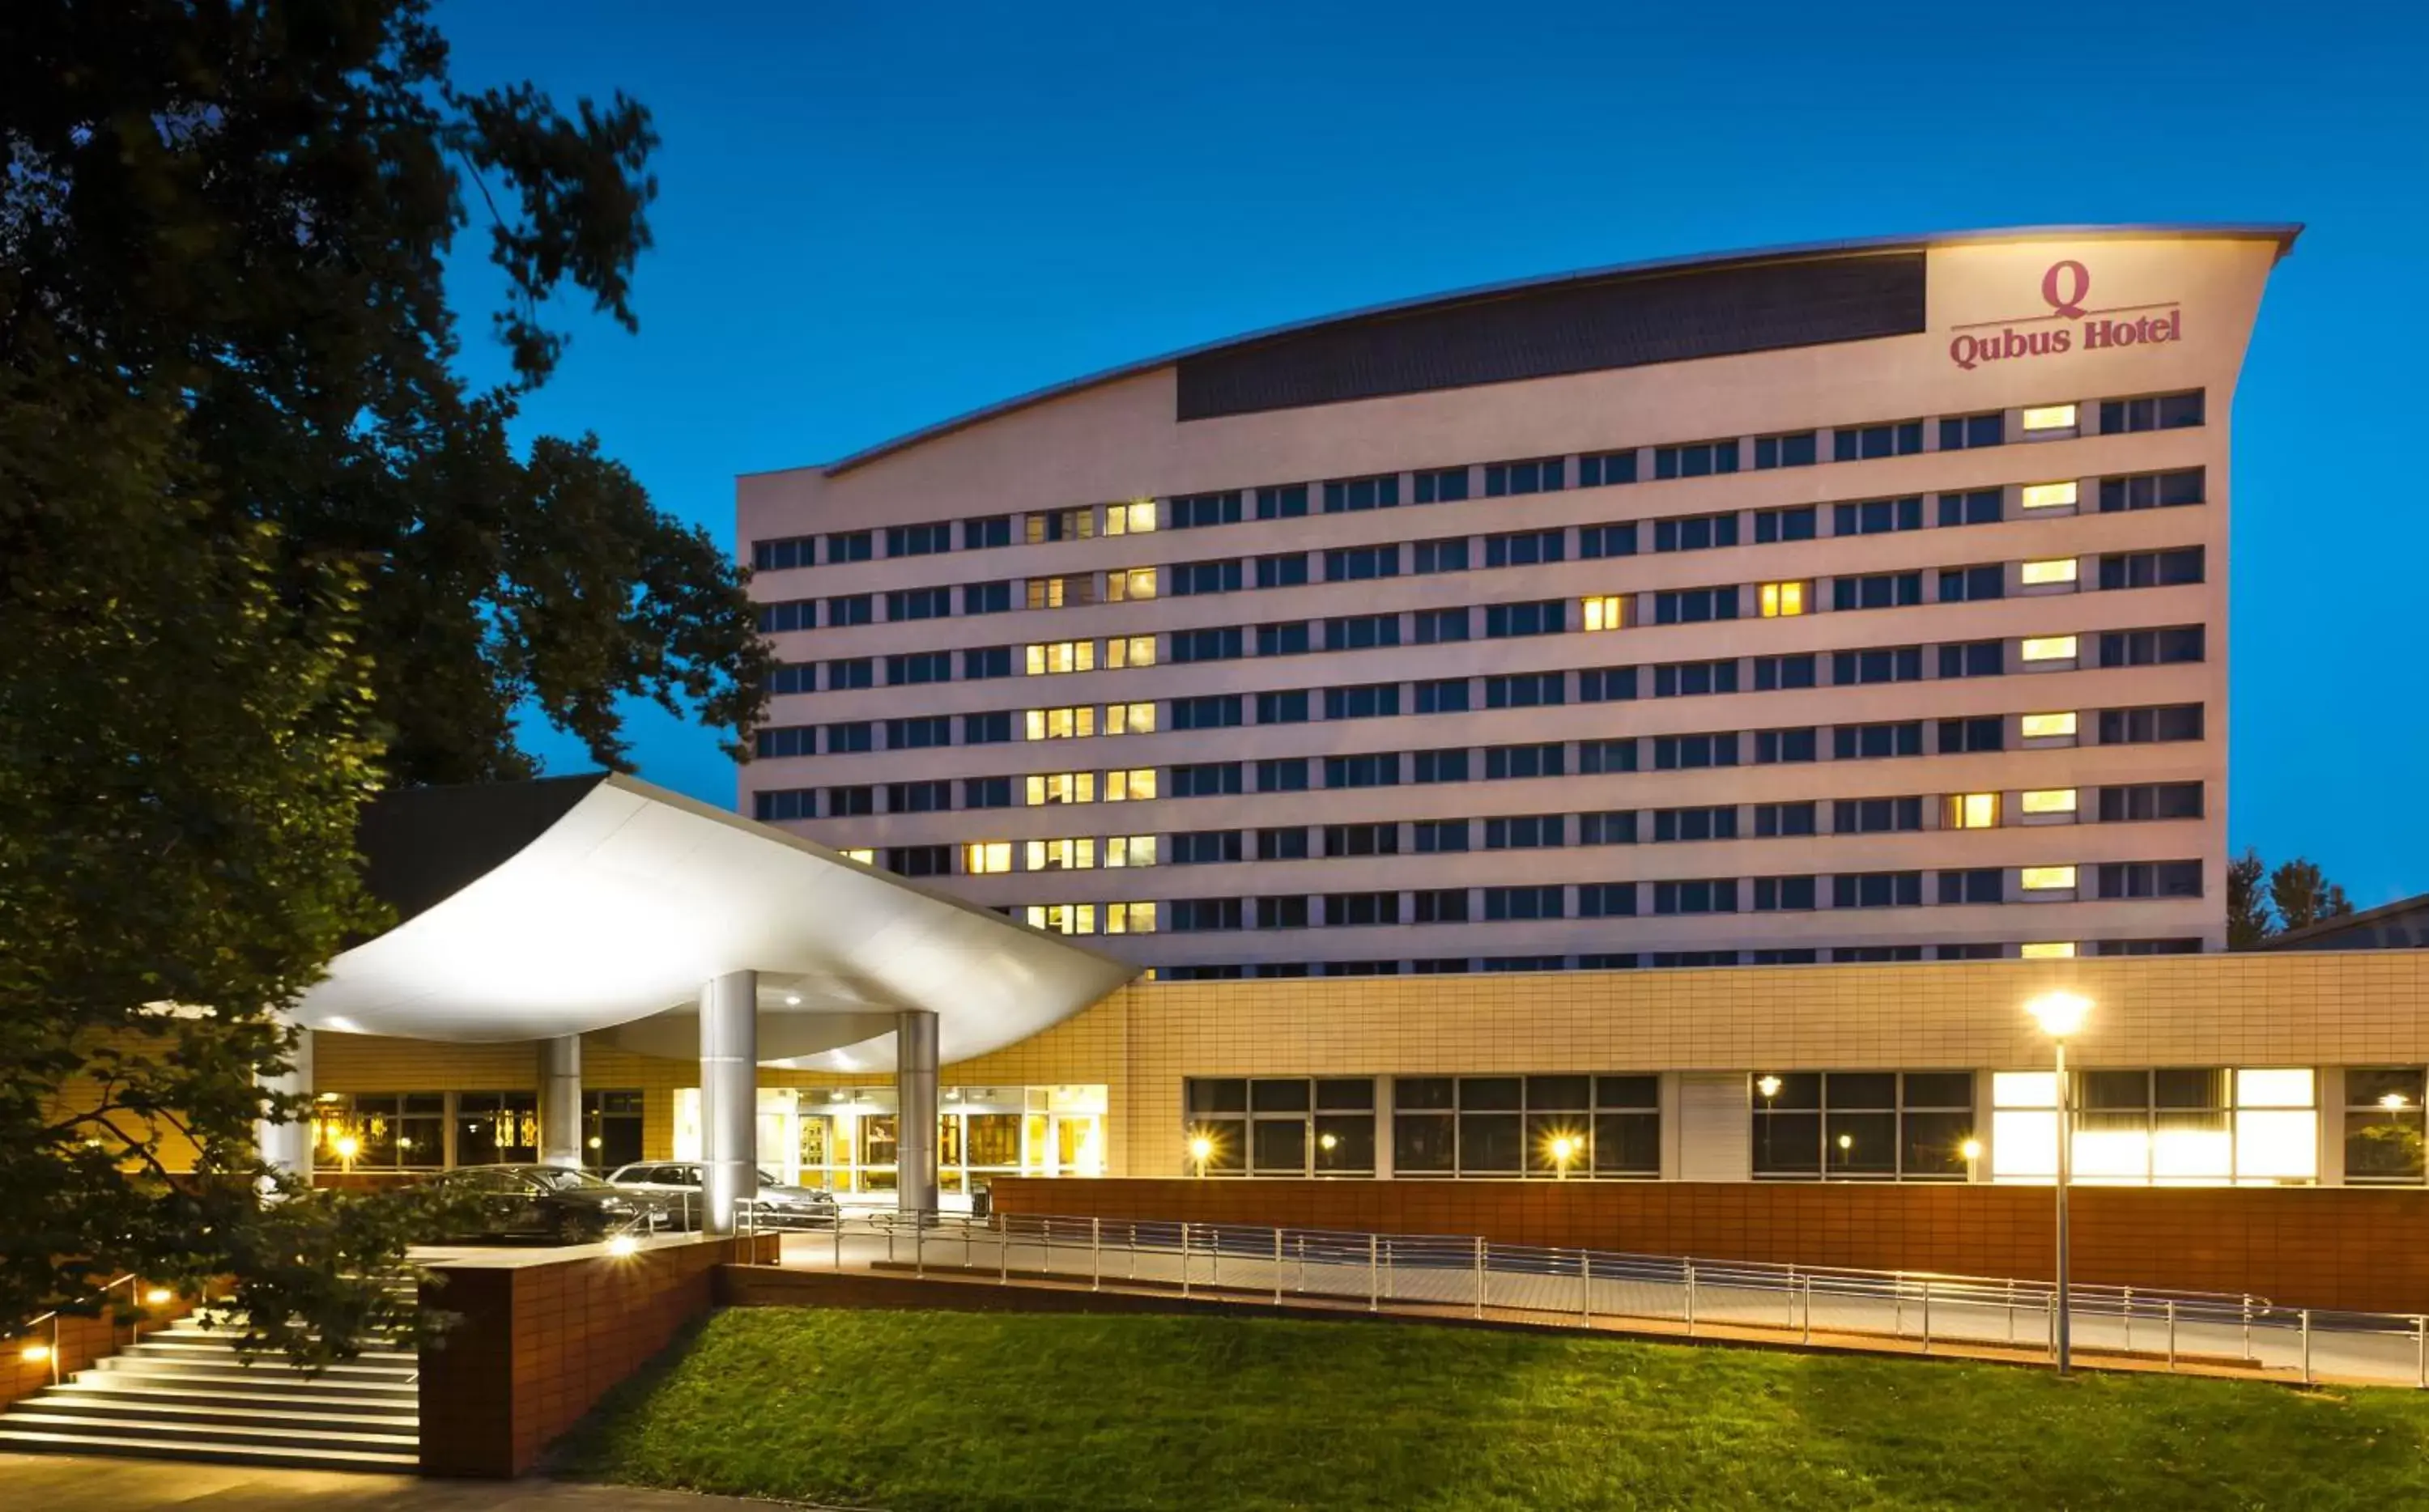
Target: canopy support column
[[287, 1147], [560, 1101], [914, 1134], [729, 1095]]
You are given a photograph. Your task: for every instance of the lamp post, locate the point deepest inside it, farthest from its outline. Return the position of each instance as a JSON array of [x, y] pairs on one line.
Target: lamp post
[[1565, 1149], [1971, 1150], [2060, 1016], [1200, 1149], [1769, 1086]]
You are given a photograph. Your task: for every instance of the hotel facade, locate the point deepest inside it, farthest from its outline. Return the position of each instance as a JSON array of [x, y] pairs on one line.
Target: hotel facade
[[1857, 604]]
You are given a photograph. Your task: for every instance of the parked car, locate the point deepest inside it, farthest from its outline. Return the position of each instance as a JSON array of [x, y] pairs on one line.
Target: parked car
[[547, 1201], [675, 1186]]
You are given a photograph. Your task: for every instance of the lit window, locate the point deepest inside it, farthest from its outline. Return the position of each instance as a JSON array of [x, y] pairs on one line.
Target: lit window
[[1136, 786], [2048, 495], [1608, 611], [2049, 800], [1130, 918], [987, 858], [1061, 724], [2049, 417], [2049, 726], [1781, 600], [1063, 788], [1062, 855], [1063, 918], [2048, 878], [1063, 656], [1062, 593], [2056, 569], [1973, 810], [1129, 719], [1130, 851], [1131, 651], [2047, 950], [1125, 584], [1137, 518], [2049, 649], [866, 857]]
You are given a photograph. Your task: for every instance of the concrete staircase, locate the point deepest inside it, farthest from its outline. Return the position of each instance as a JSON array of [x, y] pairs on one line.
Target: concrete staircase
[[183, 1393]]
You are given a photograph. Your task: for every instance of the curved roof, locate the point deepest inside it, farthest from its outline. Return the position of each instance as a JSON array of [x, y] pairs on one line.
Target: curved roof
[[2283, 233], [568, 905]]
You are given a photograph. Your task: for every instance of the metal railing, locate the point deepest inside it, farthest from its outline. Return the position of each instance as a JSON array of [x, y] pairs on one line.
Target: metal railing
[[1430, 1273]]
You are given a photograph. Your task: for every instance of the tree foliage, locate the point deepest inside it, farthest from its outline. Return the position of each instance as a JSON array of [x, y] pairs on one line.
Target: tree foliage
[[2261, 903], [2247, 909], [262, 549]]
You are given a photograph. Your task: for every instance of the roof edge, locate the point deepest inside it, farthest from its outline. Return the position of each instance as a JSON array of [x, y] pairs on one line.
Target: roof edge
[[2284, 233]]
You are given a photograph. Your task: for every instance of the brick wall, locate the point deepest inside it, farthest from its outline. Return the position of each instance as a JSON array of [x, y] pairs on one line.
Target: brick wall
[[539, 1343], [2318, 1247], [81, 1343]]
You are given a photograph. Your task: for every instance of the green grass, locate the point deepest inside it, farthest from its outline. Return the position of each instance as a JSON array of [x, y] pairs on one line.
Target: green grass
[[960, 1412]]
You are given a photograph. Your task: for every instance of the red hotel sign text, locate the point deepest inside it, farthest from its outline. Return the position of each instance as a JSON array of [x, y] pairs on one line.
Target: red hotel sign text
[[2068, 327]]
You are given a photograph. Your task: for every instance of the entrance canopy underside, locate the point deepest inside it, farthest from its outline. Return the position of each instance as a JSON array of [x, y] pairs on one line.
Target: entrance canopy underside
[[575, 904]]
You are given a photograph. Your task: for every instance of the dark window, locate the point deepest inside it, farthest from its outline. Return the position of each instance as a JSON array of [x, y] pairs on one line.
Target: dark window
[[1524, 903], [1203, 779], [1981, 658], [1448, 554], [1876, 517], [1287, 707], [1598, 541], [1691, 606], [1525, 549], [850, 802], [1288, 639], [2151, 800], [793, 677], [2151, 879], [1864, 442], [784, 804], [1546, 617], [1611, 827], [1972, 584], [1606, 469], [1282, 501], [986, 662], [1963, 432], [2151, 570], [852, 546], [1359, 632], [1860, 816], [1282, 774], [1876, 954], [985, 531], [1361, 839], [1687, 680], [1440, 905], [1518, 762], [986, 793], [1188, 579], [1865, 742], [919, 797], [1880, 590], [1695, 533], [1526, 832], [2139, 727], [853, 609], [1189, 915], [918, 540], [1283, 844], [1526, 690], [1794, 450], [1685, 752], [1213, 711], [1198, 510], [1374, 769], [1202, 847], [1774, 894], [2152, 490], [2150, 648], [1442, 696], [1985, 884], [1779, 819], [1717, 895], [793, 614], [1542, 476], [1884, 663], [911, 668], [1775, 525], [2183, 947], [1440, 765], [1350, 495], [1596, 757], [1983, 506], [776, 555], [851, 738], [1442, 486], [1358, 563], [2159, 412], [1288, 570], [1773, 674], [1989, 733], [1877, 890], [1607, 684], [1289, 912], [1700, 460], [1719, 823], [1440, 836], [918, 734], [1214, 644], [1352, 909], [1775, 745], [1970, 951], [986, 598]]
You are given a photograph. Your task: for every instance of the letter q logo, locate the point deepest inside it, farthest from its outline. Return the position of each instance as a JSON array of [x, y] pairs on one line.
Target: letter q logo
[[2064, 285]]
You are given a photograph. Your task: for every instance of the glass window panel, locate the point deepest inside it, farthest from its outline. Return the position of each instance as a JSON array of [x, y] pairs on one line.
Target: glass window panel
[[1491, 1092], [1278, 1096], [1628, 1092], [1934, 1143], [2048, 726], [1227, 1139], [2281, 1144], [2385, 1086], [1424, 1091], [1628, 1143], [1546, 1094], [1424, 1142], [2274, 1089], [2384, 1145], [1862, 1144], [2023, 1089], [1279, 1147], [1489, 1143], [1787, 1143], [2112, 1147], [1226, 1094], [1799, 1089], [2023, 1145], [2097, 1091], [2188, 1087], [1346, 1092], [1940, 1088], [1345, 1142], [1543, 1131], [1862, 1090], [2189, 1145]]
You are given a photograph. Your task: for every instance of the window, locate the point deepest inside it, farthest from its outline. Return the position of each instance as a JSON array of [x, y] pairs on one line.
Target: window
[[2059, 726], [1282, 774], [1286, 502], [1860, 816], [852, 546], [1356, 909], [2048, 495], [1606, 611], [2046, 950], [775, 807], [1678, 679], [1595, 542], [921, 734], [2151, 879], [1375, 769], [986, 598], [793, 677], [2384, 1130], [2047, 649], [1062, 918], [787, 551], [1129, 719], [1525, 548], [1693, 606], [1606, 469], [1203, 779], [1700, 460], [1288, 707], [2150, 648], [1607, 684], [1441, 766], [2047, 879], [1362, 840], [1512, 1125], [1863, 443], [1442, 486], [1062, 525], [1862, 1125], [986, 793], [2047, 573], [1061, 787], [1783, 894], [1542, 476], [494, 1127], [1511, 763], [1285, 571], [1446, 556], [1059, 593], [852, 802], [1598, 757], [1526, 832], [1287, 913], [1359, 563], [985, 531], [1781, 601], [1876, 517], [1359, 633], [1983, 506], [1283, 844], [987, 858], [1775, 525], [1213, 711], [2137, 727], [2043, 420], [920, 861], [1352, 495], [1195, 914], [1504, 903], [2151, 800], [1214, 644], [1867, 742], [1877, 890], [787, 740], [1695, 533], [2177, 1124], [1981, 658], [1689, 752], [1971, 585], [1885, 664], [1199, 511], [850, 738], [2046, 800], [1288, 639], [1963, 432], [1136, 517], [1795, 450], [1615, 826], [1440, 836], [1059, 656], [1880, 590], [1544, 617], [1190, 579], [2151, 570], [2160, 412], [911, 668], [1785, 819], [1982, 733], [1971, 811], [2152, 490], [1442, 696], [918, 540], [1773, 674], [1672, 825], [1525, 690], [1135, 784], [1717, 895], [1203, 847], [794, 613], [986, 662]]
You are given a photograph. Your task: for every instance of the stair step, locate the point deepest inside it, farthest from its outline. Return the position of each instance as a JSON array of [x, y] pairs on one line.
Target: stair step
[[150, 1409], [101, 1388], [282, 1383], [203, 1359], [167, 1345], [304, 1432], [45, 1441]]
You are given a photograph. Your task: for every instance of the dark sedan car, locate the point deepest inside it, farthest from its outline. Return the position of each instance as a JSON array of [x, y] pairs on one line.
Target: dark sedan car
[[546, 1202]]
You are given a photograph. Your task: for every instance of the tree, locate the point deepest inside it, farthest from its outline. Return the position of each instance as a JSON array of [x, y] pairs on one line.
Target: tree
[[262, 549], [2248, 920], [2303, 896]]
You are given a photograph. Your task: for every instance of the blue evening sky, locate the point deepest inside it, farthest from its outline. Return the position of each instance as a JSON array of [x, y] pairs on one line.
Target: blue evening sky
[[877, 215]]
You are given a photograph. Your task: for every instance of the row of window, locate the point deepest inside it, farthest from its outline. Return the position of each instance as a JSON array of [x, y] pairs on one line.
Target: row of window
[[1460, 553], [1852, 443], [1691, 959]]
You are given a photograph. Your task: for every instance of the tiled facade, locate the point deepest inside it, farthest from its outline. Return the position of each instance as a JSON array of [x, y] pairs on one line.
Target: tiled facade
[[1628, 786]]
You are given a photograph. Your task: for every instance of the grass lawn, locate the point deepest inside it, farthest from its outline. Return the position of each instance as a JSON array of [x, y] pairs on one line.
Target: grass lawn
[[960, 1412]]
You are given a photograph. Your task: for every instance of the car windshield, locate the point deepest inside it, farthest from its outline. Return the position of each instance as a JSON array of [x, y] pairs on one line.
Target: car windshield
[[558, 1179]]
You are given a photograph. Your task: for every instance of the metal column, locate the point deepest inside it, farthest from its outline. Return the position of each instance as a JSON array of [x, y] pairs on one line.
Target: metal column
[[729, 1096], [287, 1147], [560, 1101], [915, 1133]]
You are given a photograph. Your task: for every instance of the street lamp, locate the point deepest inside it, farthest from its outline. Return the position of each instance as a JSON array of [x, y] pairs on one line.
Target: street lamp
[[1971, 1150], [1565, 1149], [1769, 1086], [2060, 1017], [347, 1148], [1201, 1150]]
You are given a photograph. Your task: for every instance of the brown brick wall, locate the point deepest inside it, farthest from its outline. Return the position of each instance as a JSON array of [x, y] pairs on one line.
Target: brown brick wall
[[539, 1344], [2318, 1247]]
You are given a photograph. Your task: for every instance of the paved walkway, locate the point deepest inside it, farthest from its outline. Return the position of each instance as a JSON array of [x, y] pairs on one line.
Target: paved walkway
[[77, 1482]]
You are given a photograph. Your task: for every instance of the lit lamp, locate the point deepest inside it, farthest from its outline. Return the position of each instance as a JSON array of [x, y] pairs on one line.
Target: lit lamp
[[2394, 1101], [157, 1297], [1971, 1150], [1202, 1149], [1769, 1086], [347, 1147], [1565, 1149], [2060, 1017]]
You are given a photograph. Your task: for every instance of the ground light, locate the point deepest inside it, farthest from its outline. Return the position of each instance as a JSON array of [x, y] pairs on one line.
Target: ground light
[[347, 1148], [623, 1244], [1565, 1149], [1202, 1149], [2060, 1017], [1971, 1150], [158, 1297]]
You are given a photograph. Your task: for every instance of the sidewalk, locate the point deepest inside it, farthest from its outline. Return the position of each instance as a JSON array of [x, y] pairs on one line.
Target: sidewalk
[[76, 1482]]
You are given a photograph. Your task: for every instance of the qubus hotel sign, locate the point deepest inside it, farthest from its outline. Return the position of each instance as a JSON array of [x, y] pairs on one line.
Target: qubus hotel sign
[[2071, 325]]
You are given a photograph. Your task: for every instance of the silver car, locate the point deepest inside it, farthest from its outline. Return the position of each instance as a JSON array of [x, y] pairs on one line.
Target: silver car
[[675, 1186]]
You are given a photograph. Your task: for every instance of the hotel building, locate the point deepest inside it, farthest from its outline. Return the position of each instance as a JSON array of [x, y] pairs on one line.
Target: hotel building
[[1857, 602]]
